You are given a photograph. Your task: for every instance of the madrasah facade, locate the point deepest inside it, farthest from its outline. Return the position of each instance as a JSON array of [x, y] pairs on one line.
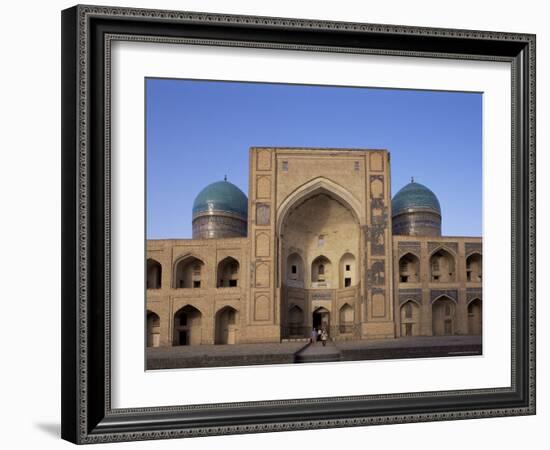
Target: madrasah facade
[[319, 242]]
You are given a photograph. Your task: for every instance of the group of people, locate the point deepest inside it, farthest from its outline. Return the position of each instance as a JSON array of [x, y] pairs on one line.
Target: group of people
[[319, 334]]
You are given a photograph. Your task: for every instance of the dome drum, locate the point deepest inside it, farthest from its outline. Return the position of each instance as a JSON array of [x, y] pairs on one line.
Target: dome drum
[[417, 223], [217, 225]]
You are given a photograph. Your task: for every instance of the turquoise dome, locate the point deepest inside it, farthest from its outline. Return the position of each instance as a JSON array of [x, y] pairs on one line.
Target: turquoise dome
[[221, 196], [414, 196]]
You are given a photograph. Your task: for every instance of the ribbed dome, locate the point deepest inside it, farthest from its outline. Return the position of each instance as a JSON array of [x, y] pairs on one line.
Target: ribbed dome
[[414, 197], [221, 196]]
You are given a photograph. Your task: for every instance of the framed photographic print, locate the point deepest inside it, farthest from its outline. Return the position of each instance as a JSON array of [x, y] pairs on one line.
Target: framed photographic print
[[281, 224]]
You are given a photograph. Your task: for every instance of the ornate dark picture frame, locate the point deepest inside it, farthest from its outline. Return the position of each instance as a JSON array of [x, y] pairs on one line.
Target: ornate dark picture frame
[[87, 33]]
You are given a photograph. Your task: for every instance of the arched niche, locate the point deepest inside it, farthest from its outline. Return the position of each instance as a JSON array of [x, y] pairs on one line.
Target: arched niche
[[474, 268], [154, 274], [188, 273], [187, 326], [228, 272], [226, 326], [347, 318], [443, 316], [321, 272], [409, 268], [294, 270], [475, 316], [442, 267], [296, 321], [153, 329], [410, 319], [348, 270]]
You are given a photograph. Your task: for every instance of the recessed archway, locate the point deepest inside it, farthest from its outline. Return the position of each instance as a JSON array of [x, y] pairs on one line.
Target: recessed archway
[[410, 319], [228, 272], [443, 316], [347, 317], [294, 270], [187, 326], [475, 317], [321, 272], [188, 273], [442, 267], [348, 271], [153, 329], [312, 222], [296, 321], [409, 268], [321, 319], [154, 274], [474, 268], [226, 325]]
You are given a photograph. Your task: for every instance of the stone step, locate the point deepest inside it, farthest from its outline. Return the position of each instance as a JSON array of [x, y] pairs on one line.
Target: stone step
[[317, 353]]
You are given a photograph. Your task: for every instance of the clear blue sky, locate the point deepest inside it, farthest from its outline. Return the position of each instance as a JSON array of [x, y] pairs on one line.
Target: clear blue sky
[[198, 131]]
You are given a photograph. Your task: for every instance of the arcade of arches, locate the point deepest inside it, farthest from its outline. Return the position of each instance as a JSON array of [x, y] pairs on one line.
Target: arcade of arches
[[441, 294]]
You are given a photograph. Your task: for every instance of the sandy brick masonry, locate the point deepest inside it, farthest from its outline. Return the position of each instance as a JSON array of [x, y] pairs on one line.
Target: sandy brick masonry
[[319, 252]]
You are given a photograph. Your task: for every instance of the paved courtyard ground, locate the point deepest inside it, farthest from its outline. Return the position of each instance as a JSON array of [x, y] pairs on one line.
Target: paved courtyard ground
[[222, 355], [304, 352]]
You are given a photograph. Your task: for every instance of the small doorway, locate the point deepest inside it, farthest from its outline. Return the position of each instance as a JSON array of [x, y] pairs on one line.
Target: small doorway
[[183, 338], [321, 319]]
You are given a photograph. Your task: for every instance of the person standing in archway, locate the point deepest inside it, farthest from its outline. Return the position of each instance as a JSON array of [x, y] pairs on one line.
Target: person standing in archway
[[324, 337], [313, 335]]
